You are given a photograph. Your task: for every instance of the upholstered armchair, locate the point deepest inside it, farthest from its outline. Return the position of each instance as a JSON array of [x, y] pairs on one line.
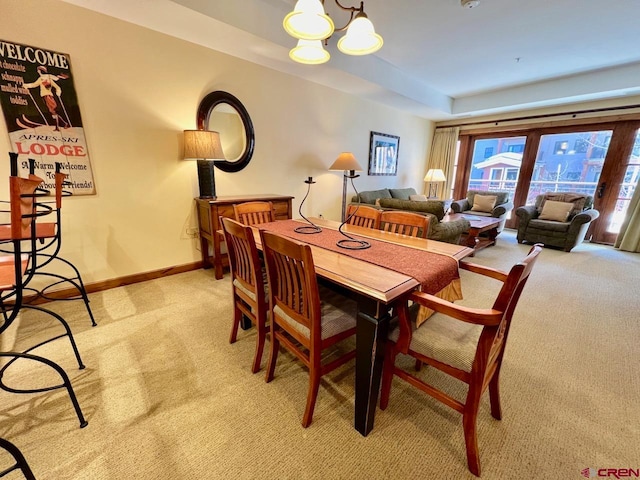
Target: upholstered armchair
[[472, 206], [556, 219]]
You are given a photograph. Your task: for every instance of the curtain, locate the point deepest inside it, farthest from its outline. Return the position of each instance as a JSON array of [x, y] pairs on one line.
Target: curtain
[[629, 236], [443, 155]]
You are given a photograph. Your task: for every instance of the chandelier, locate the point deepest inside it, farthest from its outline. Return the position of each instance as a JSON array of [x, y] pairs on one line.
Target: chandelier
[[309, 23]]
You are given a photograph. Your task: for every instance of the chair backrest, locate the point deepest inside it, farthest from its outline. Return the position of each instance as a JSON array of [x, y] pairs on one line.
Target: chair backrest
[[493, 338], [21, 197], [254, 213], [405, 223], [581, 201], [501, 196], [363, 216], [244, 261], [293, 287]]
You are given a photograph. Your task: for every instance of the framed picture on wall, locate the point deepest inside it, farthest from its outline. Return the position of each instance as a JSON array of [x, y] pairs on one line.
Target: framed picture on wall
[[383, 154]]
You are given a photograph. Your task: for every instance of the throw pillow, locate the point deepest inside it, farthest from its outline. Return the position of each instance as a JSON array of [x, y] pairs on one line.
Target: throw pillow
[[556, 211], [484, 203], [418, 198]]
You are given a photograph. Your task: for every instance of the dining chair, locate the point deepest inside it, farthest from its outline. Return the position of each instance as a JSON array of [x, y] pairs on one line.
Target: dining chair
[[363, 216], [20, 462], [465, 343], [254, 213], [305, 318], [248, 282], [14, 272], [404, 223]]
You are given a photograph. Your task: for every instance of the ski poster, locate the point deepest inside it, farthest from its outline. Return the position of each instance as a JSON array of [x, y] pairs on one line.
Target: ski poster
[[41, 110]]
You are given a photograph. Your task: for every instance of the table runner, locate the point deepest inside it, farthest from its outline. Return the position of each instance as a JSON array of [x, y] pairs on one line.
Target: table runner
[[433, 271]]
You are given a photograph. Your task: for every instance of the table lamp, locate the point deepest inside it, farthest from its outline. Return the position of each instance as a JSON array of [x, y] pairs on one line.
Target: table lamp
[[433, 177], [204, 145], [346, 162]]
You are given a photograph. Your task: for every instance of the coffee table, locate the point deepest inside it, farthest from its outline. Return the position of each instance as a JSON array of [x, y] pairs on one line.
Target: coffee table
[[472, 239]]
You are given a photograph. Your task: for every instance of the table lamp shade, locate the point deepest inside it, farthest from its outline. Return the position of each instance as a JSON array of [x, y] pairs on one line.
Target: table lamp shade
[[346, 161], [204, 145], [435, 175]]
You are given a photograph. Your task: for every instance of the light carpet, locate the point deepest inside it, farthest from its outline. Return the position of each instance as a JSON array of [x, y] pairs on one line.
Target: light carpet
[[167, 397]]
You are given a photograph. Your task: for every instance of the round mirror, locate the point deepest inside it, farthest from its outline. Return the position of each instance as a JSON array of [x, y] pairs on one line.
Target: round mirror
[[223, 113]]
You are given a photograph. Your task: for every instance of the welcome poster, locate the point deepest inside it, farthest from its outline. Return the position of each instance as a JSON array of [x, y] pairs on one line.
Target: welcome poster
[[41, 110]]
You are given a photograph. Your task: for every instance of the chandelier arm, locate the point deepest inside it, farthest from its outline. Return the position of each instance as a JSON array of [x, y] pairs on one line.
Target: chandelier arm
[[353, 10]]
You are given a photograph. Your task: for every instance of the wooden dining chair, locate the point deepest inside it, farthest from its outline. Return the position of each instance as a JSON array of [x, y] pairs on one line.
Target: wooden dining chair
[[466, 343], [248, 284], [404, 223], [363, 216], [254, 213], [305, 319]]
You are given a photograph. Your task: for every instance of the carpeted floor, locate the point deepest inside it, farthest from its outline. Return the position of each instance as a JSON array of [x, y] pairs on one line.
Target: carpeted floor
[[167, 397]]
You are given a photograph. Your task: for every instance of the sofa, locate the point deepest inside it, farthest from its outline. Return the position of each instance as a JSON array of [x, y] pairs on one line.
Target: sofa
[[499, 210], [536, 227], [401, 199]]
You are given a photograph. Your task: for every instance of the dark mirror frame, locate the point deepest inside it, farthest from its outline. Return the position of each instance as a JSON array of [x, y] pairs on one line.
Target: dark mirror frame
[[205, 108]]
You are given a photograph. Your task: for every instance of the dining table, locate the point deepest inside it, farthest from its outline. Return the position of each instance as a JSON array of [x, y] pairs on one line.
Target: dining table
[[378, 277]]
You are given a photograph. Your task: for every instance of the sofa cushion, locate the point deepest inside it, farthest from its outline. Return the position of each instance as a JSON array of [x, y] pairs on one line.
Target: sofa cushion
[[578, 200], [484, 203], [418, 198], [433, 207], [402, 193], [371, 196], [556, 211], [501, 197]]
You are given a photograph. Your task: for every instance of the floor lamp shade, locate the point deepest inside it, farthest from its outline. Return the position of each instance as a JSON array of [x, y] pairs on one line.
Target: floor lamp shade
[[204, 145], [346, 162]]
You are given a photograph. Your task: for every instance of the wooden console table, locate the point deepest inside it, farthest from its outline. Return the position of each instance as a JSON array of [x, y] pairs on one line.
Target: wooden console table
[[209, 213]]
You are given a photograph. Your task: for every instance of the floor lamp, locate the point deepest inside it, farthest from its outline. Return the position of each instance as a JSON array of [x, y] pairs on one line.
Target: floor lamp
[[433, 177], [205, 146], [349, 165]]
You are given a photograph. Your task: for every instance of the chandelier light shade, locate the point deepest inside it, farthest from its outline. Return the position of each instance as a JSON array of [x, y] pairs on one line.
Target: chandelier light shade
[[308, 21], [205, 146], [310, 52], [361, 37]]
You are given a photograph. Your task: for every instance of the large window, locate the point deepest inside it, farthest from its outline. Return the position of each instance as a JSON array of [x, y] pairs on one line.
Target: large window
[[558, 169], [627, 188]]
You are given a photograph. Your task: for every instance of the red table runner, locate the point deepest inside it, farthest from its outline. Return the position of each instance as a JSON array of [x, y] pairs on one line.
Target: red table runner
[[434, 271]]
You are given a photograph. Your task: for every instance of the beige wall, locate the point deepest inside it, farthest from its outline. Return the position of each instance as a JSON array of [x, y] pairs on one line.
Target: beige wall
[[139, 89]]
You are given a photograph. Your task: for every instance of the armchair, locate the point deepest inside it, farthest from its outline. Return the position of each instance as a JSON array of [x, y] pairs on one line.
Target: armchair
[[562, 234], [499, 210]]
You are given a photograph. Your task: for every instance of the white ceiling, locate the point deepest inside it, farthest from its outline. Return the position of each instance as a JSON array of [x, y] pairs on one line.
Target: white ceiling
[[439, 60]]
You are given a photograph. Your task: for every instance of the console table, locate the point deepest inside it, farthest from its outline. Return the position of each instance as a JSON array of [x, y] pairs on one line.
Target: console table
[[209, 212]]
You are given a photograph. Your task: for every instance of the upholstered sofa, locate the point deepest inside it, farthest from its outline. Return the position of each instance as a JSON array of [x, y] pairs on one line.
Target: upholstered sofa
[[499, 210], [399, 199], [562, 234]]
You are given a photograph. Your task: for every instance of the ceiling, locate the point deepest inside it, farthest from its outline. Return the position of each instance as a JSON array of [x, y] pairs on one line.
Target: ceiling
[[439, 60]]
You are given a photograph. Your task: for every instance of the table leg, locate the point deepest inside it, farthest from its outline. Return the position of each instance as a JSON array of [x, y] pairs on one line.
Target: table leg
[[472, 237], [371, 336], [204, 249]]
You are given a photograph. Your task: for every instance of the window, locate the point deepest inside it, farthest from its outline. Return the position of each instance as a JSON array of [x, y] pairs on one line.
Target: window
[[488, 152], [516, 148], [561, 147]]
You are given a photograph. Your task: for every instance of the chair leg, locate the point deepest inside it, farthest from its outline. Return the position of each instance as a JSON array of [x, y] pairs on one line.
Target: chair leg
[[66, 382], [314, 385], [418, 365], [273, 354], [387, 374], [469, 424], [257, 358], [21, 462], [494, 395], [66, 327], [237, 316]]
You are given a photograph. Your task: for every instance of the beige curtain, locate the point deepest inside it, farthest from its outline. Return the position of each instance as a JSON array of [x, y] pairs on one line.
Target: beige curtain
[[629, 237], [443, 154]]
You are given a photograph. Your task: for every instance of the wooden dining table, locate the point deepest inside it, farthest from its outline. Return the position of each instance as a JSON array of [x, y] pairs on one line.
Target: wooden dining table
[[376, 289]]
